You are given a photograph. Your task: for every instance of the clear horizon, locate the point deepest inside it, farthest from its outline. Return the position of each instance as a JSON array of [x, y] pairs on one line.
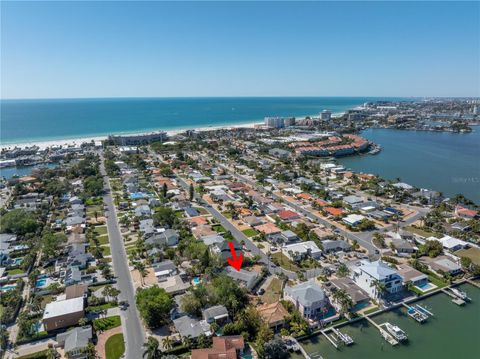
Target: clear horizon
[[88, 50]]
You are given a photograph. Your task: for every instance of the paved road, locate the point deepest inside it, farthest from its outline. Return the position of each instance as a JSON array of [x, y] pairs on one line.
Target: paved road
[[364, 239], [134, 332], [239, 236]]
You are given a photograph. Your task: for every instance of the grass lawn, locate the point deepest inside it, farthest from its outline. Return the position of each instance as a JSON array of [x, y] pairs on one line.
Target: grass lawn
[[202, 211], [219, 228], [227, 215], [106, 250], [472, 253], [273, 292], [101, 230], [115, 346], [422, 232], [374, 309], [38, 355], [250, 232], [103, 239], [98, 308], [15, 271], [180, 214], [284, 262], [438, 282], [104, 324]]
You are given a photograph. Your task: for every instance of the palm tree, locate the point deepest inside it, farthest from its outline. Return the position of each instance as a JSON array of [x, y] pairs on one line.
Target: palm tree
[[167, 343], [379, 287], [187, 341], [140, 267], [152, 350]]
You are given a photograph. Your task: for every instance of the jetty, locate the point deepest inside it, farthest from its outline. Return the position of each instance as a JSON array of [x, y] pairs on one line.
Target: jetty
[[345, 338], [424, 310], [298, 347], [475, 284], [386, 335]]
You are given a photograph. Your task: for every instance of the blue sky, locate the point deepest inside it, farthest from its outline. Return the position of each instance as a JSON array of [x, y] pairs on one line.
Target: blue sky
[[95, 49]]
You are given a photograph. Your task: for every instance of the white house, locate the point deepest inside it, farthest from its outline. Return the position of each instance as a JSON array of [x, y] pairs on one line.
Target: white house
[[298, 251], [452, 243], [353, 219], [367, 274]]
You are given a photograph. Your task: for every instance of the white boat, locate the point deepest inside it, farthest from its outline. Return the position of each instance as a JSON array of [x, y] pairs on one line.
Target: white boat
[[397, 333], [460, 294]]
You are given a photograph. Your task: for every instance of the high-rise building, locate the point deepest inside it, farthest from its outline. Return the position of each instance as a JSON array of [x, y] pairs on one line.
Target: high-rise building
[[326, 115], [274, 122]]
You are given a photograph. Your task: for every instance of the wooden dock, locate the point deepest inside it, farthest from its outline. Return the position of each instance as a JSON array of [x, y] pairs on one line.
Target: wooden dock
[[455, 299], [475, 284], [330, 339], [386, 335]]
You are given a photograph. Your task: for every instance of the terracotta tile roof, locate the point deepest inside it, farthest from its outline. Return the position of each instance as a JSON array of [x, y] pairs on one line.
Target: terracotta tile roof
[[273, 313], [286, 214], [222, 348], [305, 196], [268, 228], [333, 211]]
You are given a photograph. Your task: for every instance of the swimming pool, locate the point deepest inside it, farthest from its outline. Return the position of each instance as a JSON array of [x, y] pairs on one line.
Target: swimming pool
[[426, 286], [138, 195], [196, 281], [8, 287], [40, 283]]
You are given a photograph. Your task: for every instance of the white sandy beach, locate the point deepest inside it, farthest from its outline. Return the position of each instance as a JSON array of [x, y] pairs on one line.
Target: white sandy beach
[[98, 139]]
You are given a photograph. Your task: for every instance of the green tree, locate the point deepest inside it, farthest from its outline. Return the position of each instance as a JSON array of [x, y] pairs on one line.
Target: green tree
[[19, 221], [152, 349], [154, 305]]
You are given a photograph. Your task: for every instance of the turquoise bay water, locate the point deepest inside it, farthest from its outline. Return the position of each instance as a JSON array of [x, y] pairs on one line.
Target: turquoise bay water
[[39, 120], [446, 162], [452, 333]]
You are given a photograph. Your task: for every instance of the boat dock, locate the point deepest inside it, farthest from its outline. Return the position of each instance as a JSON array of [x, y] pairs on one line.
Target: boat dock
[[415, 313], [423, 309], [330, 339], [475, 284], [455, 299], [298, 347], [386, 335], [345, 338]]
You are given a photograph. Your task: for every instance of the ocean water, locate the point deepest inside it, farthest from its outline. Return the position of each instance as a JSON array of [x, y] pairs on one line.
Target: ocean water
[[442, 161], [40, 120], [451, 333]]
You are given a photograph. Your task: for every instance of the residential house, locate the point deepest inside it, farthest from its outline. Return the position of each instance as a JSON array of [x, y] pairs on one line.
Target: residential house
[[74, 342], [373, 277], [301, 250], [228, 347], [335, 245], [189, 327], [248, 279], [63, 313], [410, 274], [273, 314], [216, 314], [359, 297], [309, 299]]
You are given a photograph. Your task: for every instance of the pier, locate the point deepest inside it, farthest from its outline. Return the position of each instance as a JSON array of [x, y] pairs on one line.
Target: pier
[[345, 338], [424, 310], [386, 335], [304, 353], [475, 284], [334, 343], [455, 299], [415, 313]]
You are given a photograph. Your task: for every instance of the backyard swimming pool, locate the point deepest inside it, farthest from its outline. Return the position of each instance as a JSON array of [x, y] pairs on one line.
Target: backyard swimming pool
[[196, 281], [40, 283], [426, 287], [8, 287], [138, 195]]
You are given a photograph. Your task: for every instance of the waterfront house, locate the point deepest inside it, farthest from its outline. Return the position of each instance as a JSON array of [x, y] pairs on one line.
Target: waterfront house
[[376, 277], [441, 265], [359, 297], [308, 298], [410, 274]]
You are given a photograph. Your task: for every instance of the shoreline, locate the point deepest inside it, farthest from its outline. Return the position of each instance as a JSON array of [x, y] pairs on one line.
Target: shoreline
[[43, 144]]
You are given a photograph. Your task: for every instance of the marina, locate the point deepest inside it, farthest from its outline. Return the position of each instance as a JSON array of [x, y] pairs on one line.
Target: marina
[[458, 325]]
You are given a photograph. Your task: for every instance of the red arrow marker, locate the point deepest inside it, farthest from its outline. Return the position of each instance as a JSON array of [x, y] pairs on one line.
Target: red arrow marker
[[235, 262]]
